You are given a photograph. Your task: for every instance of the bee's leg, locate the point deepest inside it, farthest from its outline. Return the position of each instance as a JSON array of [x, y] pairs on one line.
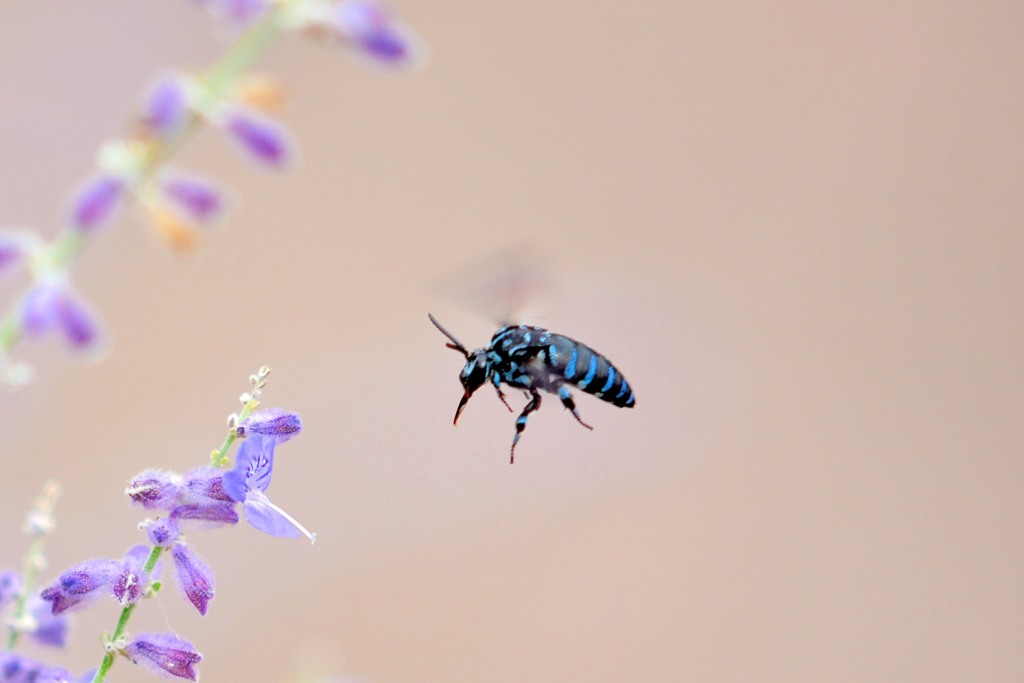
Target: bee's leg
[[521, 422], [570, 405], [497, 387]]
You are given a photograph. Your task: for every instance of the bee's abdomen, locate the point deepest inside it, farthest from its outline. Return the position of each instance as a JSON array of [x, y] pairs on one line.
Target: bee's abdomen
[[587, 369]]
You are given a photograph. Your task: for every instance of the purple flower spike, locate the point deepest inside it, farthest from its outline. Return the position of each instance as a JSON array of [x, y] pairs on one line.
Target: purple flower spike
[[154, 489], [80, 585], [372, 29], [194, 577], [77, 322], [247, 482], [198, 198], [164, 653], [10, 586], [166, 106], [96, 201], [265, 140], [273, 422]]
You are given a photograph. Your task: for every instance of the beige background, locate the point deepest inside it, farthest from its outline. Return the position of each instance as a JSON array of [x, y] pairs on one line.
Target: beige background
[[795, 226]]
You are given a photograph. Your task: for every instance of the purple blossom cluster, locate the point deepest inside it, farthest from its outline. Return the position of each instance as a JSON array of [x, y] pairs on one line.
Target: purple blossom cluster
[[202, 498], [182, 205]]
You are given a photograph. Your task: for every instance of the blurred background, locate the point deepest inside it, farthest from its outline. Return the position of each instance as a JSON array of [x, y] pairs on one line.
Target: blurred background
[[795, 227]]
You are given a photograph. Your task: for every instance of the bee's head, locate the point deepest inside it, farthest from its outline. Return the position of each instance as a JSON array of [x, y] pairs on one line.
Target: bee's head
[[474, 372]]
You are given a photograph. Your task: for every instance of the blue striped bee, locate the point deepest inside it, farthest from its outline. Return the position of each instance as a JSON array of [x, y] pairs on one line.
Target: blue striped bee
[[531, 359]]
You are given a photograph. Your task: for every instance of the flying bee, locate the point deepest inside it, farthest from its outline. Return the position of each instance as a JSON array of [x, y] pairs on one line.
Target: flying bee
[[533, 359]]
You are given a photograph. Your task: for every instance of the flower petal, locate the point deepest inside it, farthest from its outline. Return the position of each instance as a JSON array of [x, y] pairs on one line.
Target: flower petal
[[95, 202], [265, 140], [194, 577], [164, 653]]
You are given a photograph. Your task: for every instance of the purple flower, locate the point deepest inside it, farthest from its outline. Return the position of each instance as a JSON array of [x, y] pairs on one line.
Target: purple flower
[[129, 585], [12, 250], [247, 482], [80, 585], [273, 422], [10, 586], [154, 489], [238, 12], [162, 532], [164, 653], [194, 577], [48, 629], [372, 29], [96, 201], [265, 140], [166, 106], [50, 305], [15, 668], [197, 198]]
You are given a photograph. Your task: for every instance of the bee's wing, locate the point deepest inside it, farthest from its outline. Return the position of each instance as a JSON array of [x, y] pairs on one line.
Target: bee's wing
[[506, 286]]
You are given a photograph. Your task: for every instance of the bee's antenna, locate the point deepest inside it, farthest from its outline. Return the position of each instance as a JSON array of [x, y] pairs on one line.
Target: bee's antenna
[[456, 344]]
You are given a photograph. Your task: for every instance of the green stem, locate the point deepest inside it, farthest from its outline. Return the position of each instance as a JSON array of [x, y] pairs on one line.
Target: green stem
[[122, 623], [220, 456], [217, 82]]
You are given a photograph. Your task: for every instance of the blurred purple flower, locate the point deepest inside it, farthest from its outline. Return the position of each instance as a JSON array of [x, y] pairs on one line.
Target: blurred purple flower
[[10, 586], [372, 29], [49, 630], [194, 576], [164, 653], [50, 305], [238, 12], [247, 482], [94, 203], [166, 106], [265, 140], [12, 250], [197, 198], [15, 668], [80, 585]]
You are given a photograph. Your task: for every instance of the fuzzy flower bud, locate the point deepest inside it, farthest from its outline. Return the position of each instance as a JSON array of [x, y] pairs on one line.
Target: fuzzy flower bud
[[164, 653], [273, 422], [194, 577], [166, 106], [80, 585], [376, 34], [49, 305], [96, 201], [154, 489], [197, 198], [161, 532], [263, 139]]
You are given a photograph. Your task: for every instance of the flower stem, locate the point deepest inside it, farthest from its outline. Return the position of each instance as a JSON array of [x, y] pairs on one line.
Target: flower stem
[[122, 623], [30, 572], [217, 83]]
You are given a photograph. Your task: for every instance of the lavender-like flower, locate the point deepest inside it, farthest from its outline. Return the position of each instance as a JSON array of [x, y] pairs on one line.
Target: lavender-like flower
[[154, 489], [272, 422], [263, 139], [195, 579], [53, 305], [166, 105], [247, 482], [376, 34], [47, 629], [82, 584], [164, 653], [16, 668], [129, 585], [198, 199], [12, 250], [96, 201]]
